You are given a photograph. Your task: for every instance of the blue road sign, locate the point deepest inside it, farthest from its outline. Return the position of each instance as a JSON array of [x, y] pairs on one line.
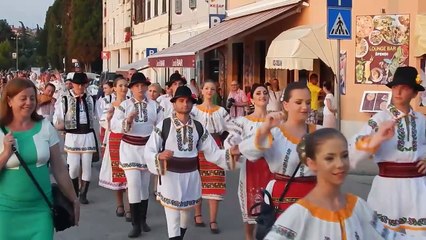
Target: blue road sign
[[339, 3], [150, 51], [339, 24]]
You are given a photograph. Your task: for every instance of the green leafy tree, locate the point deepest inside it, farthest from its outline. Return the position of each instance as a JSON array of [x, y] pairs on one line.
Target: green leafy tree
[[85, 40], [55, 51], [6, 60], [5, 31]]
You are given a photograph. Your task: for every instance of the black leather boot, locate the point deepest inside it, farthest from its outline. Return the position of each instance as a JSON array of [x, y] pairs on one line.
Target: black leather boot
[[176, 238], [144, 210], [135, 209], [83, 192], [182, 232], [76, 186]]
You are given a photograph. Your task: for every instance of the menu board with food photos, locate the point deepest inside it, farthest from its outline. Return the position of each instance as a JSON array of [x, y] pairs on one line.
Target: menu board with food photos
[[381, 46], [375, 101]]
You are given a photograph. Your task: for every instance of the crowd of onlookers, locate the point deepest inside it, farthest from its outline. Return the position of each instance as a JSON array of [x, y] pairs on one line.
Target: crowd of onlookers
[[52, 84]]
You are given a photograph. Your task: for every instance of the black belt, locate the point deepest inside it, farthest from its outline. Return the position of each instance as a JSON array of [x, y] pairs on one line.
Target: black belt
[[82, 129]]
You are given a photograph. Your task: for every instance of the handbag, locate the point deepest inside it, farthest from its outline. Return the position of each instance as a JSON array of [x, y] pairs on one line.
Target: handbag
[[266, 217], [62, 208]]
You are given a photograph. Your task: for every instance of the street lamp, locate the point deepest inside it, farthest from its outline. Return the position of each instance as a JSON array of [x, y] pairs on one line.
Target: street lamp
[[17, 54]]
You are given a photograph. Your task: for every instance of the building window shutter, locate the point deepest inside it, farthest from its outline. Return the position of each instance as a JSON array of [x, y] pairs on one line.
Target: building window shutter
[[164, 6], [192, 4], [143, 13], [148, 10], [178, 7], [155, 8]]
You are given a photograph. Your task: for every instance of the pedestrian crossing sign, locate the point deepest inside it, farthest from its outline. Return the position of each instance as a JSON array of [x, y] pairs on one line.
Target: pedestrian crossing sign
[[339, 23]]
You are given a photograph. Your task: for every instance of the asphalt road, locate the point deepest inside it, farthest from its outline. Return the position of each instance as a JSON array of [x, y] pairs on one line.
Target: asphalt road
[[98, 220]]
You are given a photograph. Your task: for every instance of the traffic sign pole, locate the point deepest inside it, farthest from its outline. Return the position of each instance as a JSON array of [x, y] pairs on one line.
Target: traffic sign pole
[[339, 26], [337, 89]]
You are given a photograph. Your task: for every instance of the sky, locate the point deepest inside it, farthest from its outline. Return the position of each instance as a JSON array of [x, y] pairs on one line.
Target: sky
[[30, 12]]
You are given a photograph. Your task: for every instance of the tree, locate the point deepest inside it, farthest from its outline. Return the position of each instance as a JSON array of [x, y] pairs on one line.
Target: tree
[[54, 34], [6, 61], [5, 31], [85, 43]]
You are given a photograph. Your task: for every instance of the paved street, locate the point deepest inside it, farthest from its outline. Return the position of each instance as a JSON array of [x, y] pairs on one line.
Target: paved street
[[98, 220]]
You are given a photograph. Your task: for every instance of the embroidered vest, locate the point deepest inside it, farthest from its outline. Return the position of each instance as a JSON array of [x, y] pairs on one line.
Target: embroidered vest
[[70, 111]]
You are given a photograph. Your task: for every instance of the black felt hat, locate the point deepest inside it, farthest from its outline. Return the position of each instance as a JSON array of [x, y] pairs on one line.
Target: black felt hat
[[183, 91], [80, 78], [407, 76], [175, 77], [138, 78]]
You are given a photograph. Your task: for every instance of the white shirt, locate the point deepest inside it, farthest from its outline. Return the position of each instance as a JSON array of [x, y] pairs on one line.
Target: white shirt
[[330, 97], [274, 104], [166, 104], [216, 120], [356, 221], [182, 190], [149, 115]]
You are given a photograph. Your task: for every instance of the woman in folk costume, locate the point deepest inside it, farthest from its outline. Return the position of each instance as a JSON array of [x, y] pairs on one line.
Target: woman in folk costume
[[213, 182], [100, 108], [276, 142], [74, 113], [254, 175], [395, 139], [136, 118], [326, 212], [179, 188], [111, 175]]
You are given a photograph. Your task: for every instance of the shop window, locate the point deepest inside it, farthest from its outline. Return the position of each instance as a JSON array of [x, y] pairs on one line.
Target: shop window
[[178, 7], [192, 4], [148, 10], [164, 6], [155, 8]]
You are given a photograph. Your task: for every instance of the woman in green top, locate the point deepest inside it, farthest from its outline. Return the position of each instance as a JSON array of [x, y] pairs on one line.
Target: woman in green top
[[23, 212]]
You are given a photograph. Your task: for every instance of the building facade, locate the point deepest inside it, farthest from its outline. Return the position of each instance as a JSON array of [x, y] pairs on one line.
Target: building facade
[[116, 33]]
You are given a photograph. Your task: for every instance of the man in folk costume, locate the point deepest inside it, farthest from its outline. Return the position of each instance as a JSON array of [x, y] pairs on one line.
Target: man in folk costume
[[74, 114], [179, 187], [395, 139], [136, 118], [175, 81]]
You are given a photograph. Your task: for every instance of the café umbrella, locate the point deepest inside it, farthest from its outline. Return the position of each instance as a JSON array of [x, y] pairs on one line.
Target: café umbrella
[[297, 48]]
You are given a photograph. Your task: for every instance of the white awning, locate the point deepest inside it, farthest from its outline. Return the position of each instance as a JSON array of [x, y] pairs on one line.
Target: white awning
[[296, 48], [138, 65]]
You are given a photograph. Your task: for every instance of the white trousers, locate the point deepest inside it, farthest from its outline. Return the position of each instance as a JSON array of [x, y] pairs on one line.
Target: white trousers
[[73, 161], [137, 184], [177, 219]]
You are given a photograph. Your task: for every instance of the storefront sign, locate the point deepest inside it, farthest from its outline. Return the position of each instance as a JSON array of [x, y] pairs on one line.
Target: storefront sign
[[381, 46], [178, 61], [217, 7]]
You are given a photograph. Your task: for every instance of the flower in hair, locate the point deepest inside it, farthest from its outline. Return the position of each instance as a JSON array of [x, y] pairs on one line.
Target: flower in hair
[[418, 79]]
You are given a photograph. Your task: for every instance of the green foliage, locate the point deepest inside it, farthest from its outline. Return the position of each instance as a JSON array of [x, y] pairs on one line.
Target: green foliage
[[6, 60], [55, 51], [5, 31], [86, 30]]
